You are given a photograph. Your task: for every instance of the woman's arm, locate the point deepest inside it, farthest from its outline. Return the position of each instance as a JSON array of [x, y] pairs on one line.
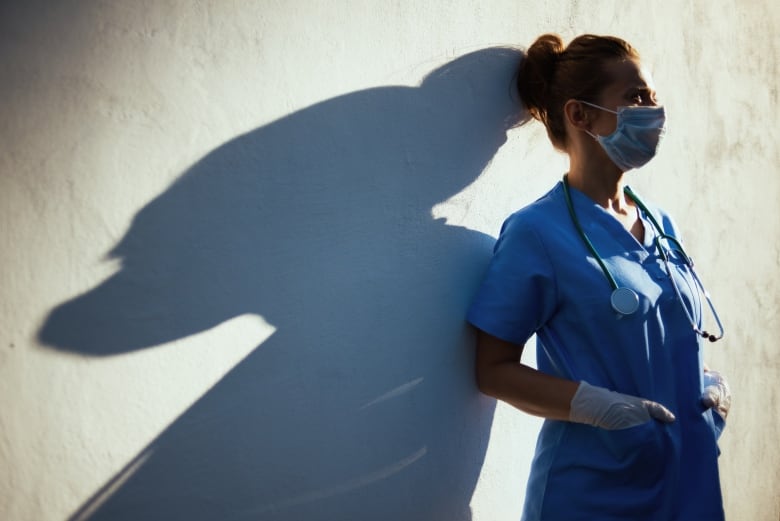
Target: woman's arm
[[501, 375]]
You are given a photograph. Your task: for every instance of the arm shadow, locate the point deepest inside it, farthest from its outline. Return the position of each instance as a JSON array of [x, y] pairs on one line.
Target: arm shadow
[[362, 404]]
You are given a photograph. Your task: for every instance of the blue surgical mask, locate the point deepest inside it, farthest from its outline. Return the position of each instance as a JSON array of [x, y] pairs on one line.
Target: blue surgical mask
[[637, 135]]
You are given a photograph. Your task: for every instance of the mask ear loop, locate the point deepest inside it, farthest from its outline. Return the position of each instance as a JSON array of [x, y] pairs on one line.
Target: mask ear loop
[[597, 106], [591, 134]]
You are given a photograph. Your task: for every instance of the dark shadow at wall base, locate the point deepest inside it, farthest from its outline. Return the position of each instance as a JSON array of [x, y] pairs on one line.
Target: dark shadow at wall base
[[362, 404]]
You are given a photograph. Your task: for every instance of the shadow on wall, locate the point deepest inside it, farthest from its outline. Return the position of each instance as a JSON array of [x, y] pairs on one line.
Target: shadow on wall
[[362, 404]]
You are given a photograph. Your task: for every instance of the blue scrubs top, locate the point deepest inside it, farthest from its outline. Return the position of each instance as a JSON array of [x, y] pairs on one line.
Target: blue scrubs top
[[542, 279]]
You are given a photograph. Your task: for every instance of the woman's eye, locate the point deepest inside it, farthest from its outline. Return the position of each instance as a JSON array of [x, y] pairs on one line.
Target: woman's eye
[[643, 98]]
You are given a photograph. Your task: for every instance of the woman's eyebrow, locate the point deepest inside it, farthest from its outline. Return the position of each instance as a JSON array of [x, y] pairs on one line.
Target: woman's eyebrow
[[642, 89]]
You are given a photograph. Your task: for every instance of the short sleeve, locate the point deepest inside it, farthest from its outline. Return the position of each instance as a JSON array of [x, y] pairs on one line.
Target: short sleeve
[[517, 295], [669, 225]]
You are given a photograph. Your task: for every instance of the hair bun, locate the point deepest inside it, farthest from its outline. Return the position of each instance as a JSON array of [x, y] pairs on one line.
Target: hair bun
[[537, 72]]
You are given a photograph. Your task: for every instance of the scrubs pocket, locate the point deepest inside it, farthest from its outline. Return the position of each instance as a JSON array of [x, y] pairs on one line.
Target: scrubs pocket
[[602, 474], [638, 451]]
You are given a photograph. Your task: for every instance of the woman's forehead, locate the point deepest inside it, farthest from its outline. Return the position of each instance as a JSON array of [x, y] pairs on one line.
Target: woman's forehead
[[628, 74]]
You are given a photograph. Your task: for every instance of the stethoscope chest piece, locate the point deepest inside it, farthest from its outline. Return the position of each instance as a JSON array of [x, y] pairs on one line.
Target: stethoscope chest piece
[[624, 300]]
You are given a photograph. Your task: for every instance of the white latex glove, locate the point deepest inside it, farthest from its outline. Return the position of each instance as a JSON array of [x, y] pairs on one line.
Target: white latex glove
[[716, 394], [612, 410]]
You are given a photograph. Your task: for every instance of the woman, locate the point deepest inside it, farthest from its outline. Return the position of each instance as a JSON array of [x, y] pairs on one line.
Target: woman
[[599, 276]]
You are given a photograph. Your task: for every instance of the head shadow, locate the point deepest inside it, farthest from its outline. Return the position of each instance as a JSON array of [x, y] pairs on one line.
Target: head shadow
[[361, 404]]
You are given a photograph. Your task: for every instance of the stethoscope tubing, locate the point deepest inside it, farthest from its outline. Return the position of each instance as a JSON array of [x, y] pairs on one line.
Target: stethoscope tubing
[[625, 301]]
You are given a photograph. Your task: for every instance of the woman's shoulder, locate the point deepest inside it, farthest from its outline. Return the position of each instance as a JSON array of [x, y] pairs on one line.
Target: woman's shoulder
[[548, 208]]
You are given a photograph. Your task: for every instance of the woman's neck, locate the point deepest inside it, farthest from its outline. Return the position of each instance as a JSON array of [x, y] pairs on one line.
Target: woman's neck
[[603, 183]]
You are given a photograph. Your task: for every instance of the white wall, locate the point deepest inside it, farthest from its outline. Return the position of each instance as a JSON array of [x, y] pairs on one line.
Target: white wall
[[238, 238]]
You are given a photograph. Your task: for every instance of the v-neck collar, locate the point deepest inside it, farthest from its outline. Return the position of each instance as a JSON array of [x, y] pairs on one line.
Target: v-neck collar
[[593, 217]]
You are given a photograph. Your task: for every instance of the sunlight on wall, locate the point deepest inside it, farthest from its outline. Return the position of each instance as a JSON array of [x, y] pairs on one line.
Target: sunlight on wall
[[124, 127]]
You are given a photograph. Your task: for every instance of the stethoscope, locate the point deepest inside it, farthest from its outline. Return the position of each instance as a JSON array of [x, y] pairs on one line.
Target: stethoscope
[[625, 301]]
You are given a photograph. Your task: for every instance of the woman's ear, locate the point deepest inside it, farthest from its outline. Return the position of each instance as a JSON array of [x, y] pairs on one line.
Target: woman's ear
[[577, 114]]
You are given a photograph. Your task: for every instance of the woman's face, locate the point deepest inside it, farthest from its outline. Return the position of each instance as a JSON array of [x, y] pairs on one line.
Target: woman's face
[[632, 86]]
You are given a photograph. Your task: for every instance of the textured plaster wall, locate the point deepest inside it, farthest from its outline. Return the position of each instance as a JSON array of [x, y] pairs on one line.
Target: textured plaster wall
[[237, 240]]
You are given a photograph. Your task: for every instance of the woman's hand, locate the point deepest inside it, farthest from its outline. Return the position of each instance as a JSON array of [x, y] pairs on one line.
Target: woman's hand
[[612, 410], [716, 394]]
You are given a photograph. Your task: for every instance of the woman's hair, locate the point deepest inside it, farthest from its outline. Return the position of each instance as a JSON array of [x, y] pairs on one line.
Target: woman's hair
[[550, 75]]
